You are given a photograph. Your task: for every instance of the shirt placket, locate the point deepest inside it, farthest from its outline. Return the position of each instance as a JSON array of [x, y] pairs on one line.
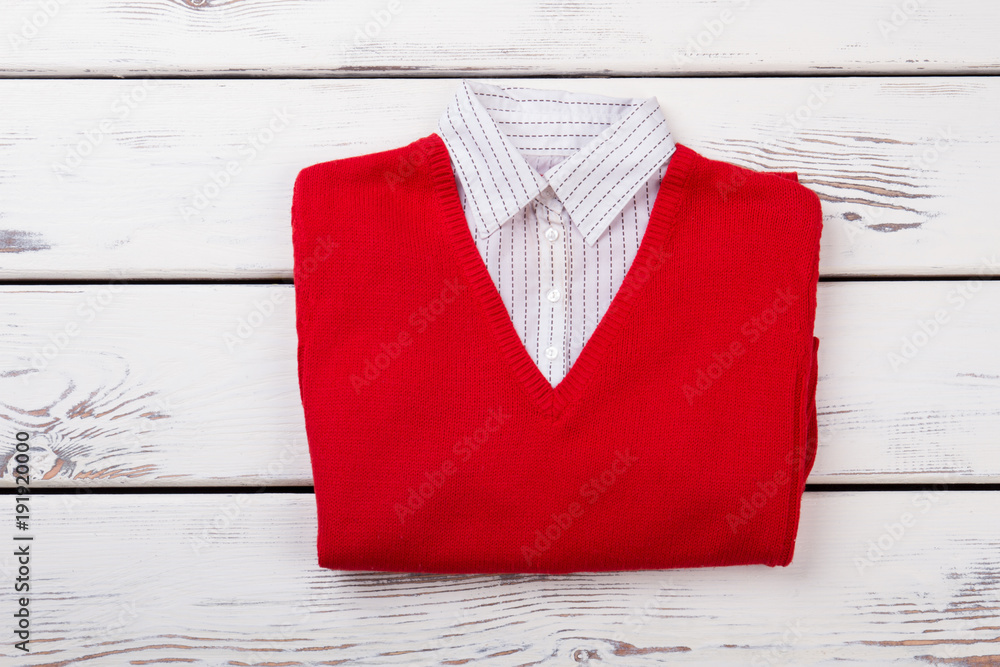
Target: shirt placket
[[553, 346]]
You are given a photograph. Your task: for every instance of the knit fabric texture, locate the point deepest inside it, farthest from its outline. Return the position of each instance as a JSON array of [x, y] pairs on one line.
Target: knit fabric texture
[[682, 435]]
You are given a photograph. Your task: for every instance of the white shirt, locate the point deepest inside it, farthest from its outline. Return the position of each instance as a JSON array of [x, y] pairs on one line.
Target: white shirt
[[557, 188]]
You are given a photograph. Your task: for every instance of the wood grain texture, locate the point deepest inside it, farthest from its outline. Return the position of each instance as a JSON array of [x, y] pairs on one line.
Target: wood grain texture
[[196, 384], [218, 579], [111, 180], [146, 386], [517, 37]]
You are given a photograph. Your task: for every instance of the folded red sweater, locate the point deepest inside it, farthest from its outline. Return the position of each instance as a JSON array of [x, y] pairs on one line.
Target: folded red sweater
[[682, 436]]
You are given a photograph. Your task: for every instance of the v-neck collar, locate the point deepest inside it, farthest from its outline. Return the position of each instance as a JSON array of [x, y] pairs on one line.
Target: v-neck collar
[[554, 400]]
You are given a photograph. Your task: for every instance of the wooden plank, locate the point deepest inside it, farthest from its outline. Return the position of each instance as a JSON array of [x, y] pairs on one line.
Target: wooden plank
[[221, 579], [401, 37], [897, 392], [160, 384], [194, 178], [197, 384]]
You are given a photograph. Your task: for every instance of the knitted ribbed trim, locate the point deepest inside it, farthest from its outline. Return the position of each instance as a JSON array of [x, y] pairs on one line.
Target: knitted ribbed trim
[[659, 230]]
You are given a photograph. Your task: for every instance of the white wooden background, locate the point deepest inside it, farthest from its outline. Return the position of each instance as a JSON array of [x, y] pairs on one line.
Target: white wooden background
[[173, 513]]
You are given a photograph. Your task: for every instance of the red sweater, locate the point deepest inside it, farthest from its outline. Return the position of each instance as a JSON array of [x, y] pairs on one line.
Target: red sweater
[[681, 437]]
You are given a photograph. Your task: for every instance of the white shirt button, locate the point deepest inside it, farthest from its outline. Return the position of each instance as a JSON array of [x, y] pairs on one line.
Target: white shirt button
[[553, 295], [551, 352], [552, 233]]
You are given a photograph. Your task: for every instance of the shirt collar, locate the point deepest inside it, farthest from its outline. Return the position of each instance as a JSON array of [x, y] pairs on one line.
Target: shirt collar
[[594, 183]]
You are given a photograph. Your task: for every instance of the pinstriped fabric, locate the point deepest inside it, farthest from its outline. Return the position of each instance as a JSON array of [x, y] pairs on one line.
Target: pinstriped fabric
[[557, 188]]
